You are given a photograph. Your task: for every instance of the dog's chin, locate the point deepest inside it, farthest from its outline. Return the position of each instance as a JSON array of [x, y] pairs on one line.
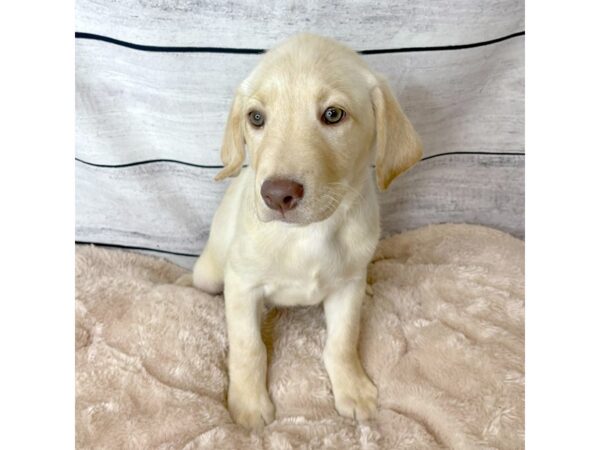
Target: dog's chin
[[270, 215], [298, 216]]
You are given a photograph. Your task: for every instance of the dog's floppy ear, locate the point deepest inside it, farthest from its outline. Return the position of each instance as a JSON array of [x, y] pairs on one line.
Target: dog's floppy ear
[[232, 150], [397, 145]]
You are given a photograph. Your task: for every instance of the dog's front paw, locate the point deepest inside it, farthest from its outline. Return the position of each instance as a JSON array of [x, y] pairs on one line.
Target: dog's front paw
[[355, 397], [250, 409]]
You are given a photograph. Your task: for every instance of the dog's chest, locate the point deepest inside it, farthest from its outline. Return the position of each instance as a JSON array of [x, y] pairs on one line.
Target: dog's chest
[[305, 274], [308, 289]]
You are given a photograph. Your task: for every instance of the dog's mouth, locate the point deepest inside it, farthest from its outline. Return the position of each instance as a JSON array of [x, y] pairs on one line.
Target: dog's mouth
[[266, 214], [309, 210], [281, 217]]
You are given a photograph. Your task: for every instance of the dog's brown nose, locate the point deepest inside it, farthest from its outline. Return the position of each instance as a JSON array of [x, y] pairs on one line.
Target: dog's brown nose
[[281, 194]]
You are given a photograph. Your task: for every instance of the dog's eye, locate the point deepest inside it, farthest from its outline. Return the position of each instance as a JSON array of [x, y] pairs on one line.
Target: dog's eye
[[257, 119], [333, 115]]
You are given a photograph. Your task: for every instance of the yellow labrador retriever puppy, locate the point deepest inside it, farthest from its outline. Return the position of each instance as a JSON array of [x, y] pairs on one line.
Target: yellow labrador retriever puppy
[[299, 225]]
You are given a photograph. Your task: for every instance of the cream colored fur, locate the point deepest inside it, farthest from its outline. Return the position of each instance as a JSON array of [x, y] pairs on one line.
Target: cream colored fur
[[441, 338], [319, 251]]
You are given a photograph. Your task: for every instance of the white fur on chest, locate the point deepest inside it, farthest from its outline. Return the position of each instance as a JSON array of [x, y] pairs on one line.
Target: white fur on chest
[[310, 290], [302, 266], [304, 274]]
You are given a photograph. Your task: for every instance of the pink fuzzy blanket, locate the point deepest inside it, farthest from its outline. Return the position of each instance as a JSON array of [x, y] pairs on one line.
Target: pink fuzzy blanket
[[442, 338]]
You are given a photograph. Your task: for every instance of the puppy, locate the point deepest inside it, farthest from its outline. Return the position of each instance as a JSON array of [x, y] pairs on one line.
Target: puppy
[[299, 225]]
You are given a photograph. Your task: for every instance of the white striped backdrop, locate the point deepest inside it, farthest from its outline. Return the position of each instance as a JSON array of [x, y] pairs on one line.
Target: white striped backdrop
[[154, 81]]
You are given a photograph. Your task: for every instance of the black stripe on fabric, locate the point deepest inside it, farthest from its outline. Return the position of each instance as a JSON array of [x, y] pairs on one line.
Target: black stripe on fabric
[[202, 166], [156, 48], [257, 51], [441, 47], [474, 153], [129, 247], [148, 161]]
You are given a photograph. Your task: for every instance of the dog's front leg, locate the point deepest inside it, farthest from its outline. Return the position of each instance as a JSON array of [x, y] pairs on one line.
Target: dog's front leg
[[248, 399], [355, 395]]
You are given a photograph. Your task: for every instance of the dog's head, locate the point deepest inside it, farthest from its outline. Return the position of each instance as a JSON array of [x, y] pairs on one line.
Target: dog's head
[[312, 115]]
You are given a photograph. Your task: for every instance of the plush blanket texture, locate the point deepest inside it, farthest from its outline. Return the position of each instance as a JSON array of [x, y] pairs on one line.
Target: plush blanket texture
[[442, 338]]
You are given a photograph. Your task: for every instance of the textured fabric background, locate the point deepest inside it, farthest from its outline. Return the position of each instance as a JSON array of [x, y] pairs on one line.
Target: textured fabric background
[[154, 82], [441, 337]]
